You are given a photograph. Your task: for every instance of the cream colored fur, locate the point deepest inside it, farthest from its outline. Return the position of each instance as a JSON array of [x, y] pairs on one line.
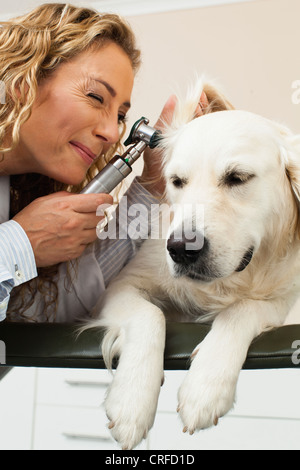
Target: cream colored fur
[[261, 212]]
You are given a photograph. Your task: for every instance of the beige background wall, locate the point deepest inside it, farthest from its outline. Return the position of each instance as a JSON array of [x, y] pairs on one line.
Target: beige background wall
[[252, 49]]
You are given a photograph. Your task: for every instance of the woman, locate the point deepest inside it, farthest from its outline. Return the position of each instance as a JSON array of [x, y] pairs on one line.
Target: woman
[[68, 75]]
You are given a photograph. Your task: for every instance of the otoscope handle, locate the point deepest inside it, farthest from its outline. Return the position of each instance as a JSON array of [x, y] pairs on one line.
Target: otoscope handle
[[108, 178], [118, 168]]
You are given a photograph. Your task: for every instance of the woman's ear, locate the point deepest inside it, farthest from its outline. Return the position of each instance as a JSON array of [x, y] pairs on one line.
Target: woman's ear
[[19, 91]]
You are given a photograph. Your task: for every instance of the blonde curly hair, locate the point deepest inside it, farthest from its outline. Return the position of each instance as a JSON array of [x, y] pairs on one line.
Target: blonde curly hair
[[32, 47]]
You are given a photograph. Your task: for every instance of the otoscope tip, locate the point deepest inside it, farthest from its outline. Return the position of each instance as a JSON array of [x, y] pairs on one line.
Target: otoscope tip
[[155, 139]]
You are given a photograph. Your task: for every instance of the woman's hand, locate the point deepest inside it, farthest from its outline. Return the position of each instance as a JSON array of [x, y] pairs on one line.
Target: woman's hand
[[60, 226], [152, 177]]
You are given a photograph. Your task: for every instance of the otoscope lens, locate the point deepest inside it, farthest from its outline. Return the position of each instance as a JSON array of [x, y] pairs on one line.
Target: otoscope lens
[[155, 139]]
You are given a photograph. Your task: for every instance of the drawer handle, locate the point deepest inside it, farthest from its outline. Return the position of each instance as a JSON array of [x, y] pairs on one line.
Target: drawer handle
[[86, 383], [87, 437]]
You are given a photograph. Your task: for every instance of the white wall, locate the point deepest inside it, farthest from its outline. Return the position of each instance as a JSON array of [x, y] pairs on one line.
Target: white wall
[[250, 48]]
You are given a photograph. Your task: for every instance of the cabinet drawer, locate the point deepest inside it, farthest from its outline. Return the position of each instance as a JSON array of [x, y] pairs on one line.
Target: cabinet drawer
[[72, 387], [268, 393], [16, 409], [263, 393], [68, 428], [232, 433], [71, 428]]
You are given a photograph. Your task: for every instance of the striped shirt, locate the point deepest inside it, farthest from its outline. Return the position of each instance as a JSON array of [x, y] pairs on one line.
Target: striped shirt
[[100, 262]]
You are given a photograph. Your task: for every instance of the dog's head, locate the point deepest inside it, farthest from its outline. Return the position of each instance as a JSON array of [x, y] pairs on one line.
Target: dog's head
[[233, 179]]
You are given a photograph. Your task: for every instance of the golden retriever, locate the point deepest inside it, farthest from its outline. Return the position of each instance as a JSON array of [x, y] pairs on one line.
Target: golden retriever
[[238, 267]]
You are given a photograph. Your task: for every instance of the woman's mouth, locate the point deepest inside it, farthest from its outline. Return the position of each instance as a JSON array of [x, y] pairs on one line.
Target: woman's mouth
[[86, 154]]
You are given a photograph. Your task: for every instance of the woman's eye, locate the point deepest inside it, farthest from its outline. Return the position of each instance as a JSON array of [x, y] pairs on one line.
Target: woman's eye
[[122, 118], [96, 97]]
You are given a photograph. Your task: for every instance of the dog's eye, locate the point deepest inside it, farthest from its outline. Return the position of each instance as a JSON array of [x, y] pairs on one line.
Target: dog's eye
[[178, 182], [237, 178]]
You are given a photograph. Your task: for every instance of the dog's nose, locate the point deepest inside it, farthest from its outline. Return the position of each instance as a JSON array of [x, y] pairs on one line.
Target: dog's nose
[[184, 251]]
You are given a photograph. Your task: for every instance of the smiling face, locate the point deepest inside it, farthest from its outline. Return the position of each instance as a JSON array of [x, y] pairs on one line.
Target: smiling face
[[76, 115], [228, 164]]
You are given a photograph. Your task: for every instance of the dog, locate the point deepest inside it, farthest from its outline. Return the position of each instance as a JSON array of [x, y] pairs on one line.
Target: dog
[[241, 275]]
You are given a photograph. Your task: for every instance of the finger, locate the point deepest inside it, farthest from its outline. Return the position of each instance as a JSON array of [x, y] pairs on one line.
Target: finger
[[199, 111], [85, 203], [57, 195], [82, 202], [203, 100], [90, 235], [167, 113], [202, 105], [91, 222]]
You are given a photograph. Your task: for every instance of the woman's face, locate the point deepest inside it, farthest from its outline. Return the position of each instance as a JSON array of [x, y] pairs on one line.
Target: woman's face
[[77, 113]]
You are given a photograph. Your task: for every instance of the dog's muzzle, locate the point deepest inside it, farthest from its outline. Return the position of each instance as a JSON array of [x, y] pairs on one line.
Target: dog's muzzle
[[184, 251], [191, 258]]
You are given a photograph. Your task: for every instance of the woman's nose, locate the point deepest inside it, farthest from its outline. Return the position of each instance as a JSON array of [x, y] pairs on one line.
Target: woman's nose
[[108, 131]]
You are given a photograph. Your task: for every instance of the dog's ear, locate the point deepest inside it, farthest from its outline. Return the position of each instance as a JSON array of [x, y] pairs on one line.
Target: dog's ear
[[290, 154], [291, 158], [202, 94], [217, 101], [185, 110]]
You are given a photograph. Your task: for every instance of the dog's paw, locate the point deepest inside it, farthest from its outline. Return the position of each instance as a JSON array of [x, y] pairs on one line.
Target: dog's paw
[[203, 398], [131, 407]]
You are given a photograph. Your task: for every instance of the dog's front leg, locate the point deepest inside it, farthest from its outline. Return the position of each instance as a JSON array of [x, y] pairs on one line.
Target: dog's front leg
[[208, 391], [136, 333]]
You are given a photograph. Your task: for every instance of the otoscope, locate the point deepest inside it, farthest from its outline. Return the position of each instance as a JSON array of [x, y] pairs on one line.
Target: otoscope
[[142, 135]]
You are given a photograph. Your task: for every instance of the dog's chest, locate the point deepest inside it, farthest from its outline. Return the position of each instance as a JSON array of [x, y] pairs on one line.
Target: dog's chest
[[180, 301]]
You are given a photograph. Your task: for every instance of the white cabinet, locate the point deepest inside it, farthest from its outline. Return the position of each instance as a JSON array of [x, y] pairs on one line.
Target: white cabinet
[[266, 415], [63, 409], [232, 433], [71, 428], [17, 394], [69, 411]]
